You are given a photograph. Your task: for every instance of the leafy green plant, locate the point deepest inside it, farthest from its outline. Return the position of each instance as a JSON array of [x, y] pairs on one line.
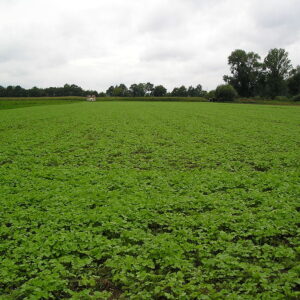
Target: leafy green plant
[[225, 92], [281, 98], [296, 98], [136, 200]]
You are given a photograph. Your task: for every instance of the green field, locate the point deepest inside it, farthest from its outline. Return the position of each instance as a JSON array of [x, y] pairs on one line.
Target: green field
[[150, 200], [11, 103], [18, 102]]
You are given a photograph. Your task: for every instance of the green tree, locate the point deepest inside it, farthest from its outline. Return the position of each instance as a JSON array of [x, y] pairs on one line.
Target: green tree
[[225, 92], [180, 92], [36, 92], [195, 91], [277, 67], [71, 90], [110, 91], [199, 91], [211, 94], [245, 69], [120, 90], [101, 94], [159, 91], [149, 87], [191, 91], [293, 82], [138, 90], [2, 91], [18, 91]]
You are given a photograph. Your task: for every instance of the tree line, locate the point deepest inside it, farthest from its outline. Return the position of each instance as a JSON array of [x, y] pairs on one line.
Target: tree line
[[274, 76], [148, 89], [135, 90], [250, 77], [66, 90]]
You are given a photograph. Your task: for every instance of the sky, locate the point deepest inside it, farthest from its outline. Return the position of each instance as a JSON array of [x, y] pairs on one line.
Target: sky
[[98, 43]]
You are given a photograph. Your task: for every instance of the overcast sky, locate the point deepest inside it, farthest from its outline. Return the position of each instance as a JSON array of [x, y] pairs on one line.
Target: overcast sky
[[98, 43]]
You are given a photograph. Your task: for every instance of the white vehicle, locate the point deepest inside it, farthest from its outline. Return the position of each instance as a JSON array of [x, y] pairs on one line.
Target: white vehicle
[[91, 98]]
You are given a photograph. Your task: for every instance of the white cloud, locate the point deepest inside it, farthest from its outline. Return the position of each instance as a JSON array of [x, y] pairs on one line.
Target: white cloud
[[172, 42]]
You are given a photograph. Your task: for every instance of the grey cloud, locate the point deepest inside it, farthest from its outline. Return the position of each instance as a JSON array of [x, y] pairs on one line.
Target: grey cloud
[[277, 23], [277, 14], [167, 54], [160, 23], [98, 43]]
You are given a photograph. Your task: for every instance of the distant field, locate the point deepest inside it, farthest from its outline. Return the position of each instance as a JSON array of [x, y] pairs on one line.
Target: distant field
[[11, 103], [134, 200], [267, 101]]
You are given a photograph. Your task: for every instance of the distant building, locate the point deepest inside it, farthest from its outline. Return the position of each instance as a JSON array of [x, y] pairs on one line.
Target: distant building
[[91, 98]]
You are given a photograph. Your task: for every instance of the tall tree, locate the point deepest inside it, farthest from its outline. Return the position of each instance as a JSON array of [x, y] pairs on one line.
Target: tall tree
[[159, 91], [137, 90], [2, 91], [120, 90], [149, 87], [293, 81], [72, 90], [180, 92], [36, 92], [277, 66], [110, 91], [195, 91], [245, 68]]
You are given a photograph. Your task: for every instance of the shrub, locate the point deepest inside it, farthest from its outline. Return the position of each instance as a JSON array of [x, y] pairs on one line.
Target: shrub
[[296, 98], [281, 98], [211, 94], [258, 98], [226, 92]]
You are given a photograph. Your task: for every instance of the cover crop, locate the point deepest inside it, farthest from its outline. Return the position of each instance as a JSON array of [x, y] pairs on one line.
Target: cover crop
[[149, 200]]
